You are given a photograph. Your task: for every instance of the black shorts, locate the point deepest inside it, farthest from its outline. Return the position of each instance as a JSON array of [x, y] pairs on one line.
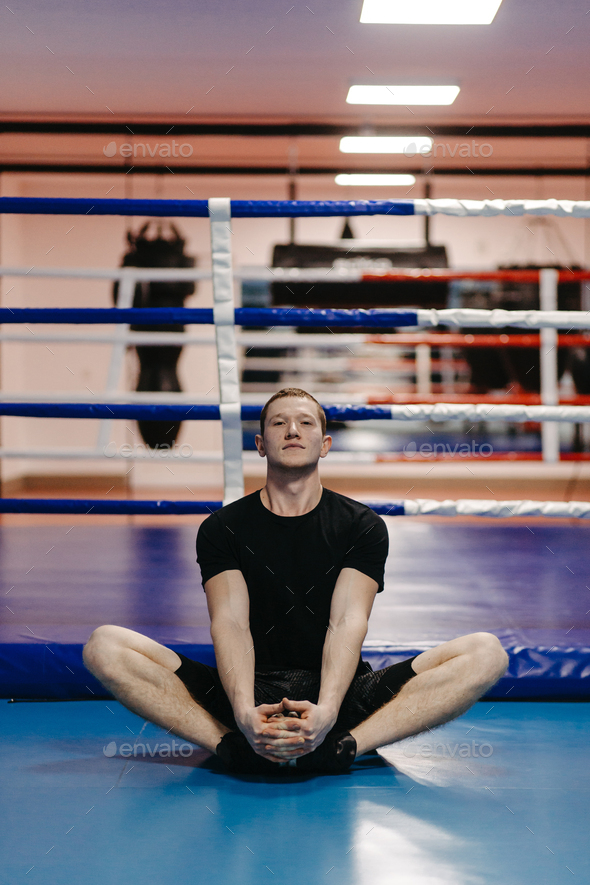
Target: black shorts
[[368, 690]]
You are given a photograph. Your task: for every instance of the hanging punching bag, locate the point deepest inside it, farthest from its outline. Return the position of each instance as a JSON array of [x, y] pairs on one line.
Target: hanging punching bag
[[158, 364]]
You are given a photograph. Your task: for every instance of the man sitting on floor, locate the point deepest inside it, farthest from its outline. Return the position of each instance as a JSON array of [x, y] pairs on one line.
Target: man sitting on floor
[[290, 573]]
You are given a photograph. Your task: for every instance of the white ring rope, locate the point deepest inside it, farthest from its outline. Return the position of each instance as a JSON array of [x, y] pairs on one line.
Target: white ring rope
[[477, 412], [138, 274], [497, 319], [501, 509], [487, 208]]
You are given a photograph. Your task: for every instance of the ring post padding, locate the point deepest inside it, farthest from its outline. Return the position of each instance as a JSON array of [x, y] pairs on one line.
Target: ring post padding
[[225, 338], [548, 279]]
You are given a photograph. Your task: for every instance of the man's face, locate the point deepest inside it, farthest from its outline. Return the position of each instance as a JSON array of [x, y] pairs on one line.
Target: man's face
[[293, 434]]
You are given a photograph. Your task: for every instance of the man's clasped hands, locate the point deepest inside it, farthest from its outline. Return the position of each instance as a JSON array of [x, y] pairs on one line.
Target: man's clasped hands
[[282, 732]]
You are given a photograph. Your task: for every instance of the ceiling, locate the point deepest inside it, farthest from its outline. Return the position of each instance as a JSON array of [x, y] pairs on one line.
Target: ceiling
[[265, 64]]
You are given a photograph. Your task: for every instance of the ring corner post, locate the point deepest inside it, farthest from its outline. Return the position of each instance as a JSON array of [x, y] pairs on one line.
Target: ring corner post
[[225, 339], [548, 280]]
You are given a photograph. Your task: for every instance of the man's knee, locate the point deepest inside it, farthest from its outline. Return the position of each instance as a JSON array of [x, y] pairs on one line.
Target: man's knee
[[490, 653], [111, 650], [102, 649]]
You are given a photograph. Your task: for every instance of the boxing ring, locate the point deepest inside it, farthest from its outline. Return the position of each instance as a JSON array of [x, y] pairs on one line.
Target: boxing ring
[[127, 803]]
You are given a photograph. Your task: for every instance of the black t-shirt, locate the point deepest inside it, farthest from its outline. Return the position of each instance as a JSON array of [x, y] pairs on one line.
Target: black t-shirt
[[291, 564]]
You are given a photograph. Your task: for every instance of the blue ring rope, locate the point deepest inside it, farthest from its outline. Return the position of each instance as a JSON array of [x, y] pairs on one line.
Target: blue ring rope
[[75, 505], [171, 412], [244, 316], [199, 208], [147, 508]]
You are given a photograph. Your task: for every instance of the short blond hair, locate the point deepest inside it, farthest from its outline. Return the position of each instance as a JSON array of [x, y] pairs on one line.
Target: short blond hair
[[297, 392]]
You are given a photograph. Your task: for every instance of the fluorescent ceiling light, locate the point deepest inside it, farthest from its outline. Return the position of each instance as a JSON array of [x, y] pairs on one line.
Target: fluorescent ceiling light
[[430, 12], [404, 95], [370, 180], [383, 144]]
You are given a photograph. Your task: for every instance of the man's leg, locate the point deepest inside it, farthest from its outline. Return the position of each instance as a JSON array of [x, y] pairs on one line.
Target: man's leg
[[141, 675], [450, 678]]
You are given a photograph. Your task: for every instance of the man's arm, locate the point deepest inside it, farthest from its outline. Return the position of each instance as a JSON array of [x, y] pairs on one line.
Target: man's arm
[[352, 602], [351, 606], [229, 609]]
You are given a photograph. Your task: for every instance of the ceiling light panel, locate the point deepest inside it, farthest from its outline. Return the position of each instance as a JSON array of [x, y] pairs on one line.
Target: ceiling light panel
[[429, 12], [383, 144], [402, 95], [359, 179]]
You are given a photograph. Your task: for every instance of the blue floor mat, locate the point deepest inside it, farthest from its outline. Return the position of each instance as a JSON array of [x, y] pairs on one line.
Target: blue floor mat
[[528, 585], [498, 797]]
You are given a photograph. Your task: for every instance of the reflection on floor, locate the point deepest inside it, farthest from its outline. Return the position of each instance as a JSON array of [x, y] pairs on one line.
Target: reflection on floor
[[90, 793]]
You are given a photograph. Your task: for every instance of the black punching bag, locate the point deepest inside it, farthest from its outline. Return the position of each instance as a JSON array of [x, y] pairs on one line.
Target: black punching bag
[[158, 364]]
